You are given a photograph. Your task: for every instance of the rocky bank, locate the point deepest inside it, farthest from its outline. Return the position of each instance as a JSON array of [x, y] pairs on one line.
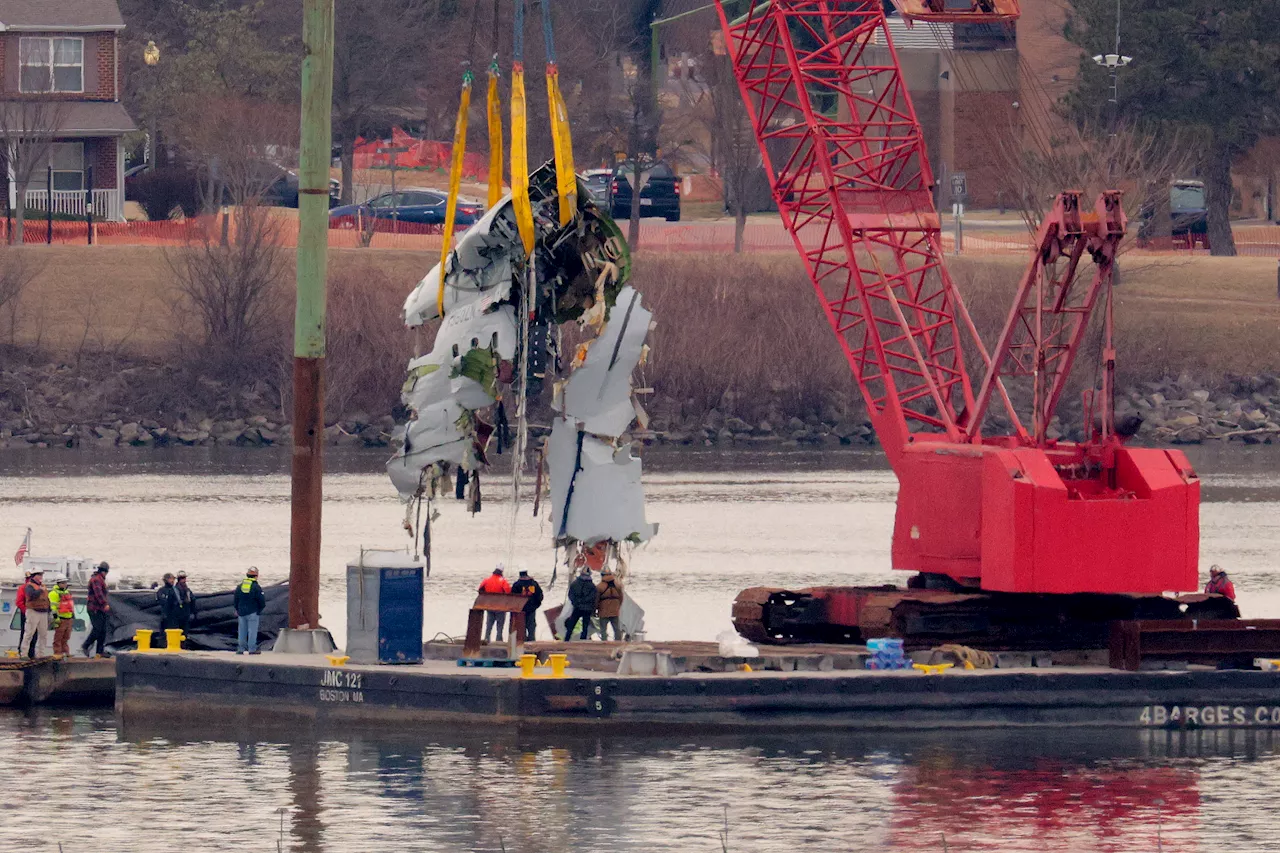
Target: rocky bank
[[56, 406]]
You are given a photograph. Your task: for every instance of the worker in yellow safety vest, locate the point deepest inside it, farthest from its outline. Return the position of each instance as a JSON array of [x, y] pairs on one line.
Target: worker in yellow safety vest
[[250, 601], [63, 606]]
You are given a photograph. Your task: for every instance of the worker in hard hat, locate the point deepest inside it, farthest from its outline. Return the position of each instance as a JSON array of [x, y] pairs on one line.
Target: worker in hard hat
[[63, 608], [250, 601], [495, 584], [167, 598], [98, 604], [36, 599], [1220, 584]]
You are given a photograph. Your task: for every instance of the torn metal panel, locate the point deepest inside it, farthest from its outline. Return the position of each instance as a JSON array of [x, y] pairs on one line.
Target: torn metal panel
[[598, 394], [482, 264], [441, 432], [595, 488]]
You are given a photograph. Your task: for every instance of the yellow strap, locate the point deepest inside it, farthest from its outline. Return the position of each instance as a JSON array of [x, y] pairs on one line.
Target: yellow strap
[[455, 183], [495, 141], [562, 143], [520, 161]]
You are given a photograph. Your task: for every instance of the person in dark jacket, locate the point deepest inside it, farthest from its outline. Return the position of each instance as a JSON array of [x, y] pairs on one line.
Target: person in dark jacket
[[167, 596], [186, 602], [527, 586], [99, 606], [250, 602], [582, 597]]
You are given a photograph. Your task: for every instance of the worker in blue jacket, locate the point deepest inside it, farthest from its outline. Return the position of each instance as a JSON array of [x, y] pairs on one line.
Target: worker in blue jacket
[[250, 602]]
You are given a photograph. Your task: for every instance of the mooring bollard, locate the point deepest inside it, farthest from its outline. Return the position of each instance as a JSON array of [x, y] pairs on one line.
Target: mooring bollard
[[557, 663], [143, 638], [173, 638]]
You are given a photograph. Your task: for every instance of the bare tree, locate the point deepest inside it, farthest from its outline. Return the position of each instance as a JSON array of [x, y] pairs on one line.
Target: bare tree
[[240, 141], [18, 268], [733, 144], [367, 342], [28, 128], [233, 290], [1091, 159]]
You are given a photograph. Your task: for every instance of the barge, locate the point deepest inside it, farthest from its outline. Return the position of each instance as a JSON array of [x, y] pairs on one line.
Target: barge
[[314, 692], [63, 681]]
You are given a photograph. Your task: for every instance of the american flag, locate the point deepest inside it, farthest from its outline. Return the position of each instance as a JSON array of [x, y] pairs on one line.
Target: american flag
[[23, 549]]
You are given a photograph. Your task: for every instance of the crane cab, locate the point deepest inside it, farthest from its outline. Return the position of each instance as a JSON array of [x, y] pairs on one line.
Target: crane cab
[[959, 11]]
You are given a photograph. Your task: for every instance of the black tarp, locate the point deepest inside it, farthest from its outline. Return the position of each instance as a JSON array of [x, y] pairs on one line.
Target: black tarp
[[214, 628]]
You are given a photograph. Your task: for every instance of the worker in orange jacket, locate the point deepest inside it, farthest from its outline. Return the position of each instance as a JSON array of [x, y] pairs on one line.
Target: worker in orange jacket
[[495, 584], [64, 616], [1220, 584]]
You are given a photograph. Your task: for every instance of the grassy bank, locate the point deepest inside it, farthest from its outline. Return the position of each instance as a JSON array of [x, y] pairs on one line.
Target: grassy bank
[[742, 335]]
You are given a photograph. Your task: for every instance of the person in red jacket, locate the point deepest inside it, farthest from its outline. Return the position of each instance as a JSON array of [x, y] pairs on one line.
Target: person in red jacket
[[21, 603], [1220, 584], [495, 584]]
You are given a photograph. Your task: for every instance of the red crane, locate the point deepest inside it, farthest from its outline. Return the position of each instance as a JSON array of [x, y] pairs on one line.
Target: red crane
[[1021, 513]]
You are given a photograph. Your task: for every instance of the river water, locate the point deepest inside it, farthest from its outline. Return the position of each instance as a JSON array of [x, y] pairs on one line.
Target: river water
[[727, 521]]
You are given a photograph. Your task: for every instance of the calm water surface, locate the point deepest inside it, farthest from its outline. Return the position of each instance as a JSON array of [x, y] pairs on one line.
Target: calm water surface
[[727, 522]]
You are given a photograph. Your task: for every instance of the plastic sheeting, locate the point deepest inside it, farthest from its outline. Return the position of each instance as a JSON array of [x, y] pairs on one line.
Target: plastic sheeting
[[215, 626]]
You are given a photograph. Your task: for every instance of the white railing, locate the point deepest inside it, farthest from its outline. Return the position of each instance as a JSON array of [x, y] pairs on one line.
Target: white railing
[[71, 202]]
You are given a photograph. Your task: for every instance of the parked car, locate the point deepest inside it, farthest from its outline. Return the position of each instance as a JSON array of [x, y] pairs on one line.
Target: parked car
[[168, 190], [659, 191], [1187, 210], [422, 206], [598, 182], [282, 187]]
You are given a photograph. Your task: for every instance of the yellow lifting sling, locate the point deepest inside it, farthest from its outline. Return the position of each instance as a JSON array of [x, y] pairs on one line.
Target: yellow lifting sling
[[495, 135], [455, 181], [562, 142], [519, 139]]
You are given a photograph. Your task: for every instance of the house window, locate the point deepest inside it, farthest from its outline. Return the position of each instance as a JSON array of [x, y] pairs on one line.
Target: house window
[[67, 160], [51, 64]]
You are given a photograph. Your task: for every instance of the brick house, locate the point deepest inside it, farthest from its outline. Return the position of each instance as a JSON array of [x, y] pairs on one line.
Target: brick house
[[67, 52]]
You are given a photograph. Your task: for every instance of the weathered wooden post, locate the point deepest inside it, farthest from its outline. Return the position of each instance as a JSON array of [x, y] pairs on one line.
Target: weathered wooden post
[[305, 633]]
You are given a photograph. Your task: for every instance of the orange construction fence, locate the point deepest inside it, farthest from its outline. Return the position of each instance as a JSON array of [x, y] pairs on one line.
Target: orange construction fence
[[709, 236]]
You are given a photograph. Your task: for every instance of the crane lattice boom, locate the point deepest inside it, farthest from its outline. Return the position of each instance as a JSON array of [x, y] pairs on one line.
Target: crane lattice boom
[[845, 156]]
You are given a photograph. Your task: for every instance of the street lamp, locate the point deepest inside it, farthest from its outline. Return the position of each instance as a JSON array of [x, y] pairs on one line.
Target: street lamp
[[1113, 62], [151, 56]]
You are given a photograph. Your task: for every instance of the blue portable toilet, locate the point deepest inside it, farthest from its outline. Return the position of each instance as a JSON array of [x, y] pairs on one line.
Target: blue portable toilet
[[384, 607]]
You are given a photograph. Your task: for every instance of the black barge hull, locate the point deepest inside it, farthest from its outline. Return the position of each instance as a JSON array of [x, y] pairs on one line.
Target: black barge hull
[[294, 691]]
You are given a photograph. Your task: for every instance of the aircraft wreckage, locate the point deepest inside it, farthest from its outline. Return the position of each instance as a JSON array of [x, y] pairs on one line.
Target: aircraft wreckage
[[504, 317]]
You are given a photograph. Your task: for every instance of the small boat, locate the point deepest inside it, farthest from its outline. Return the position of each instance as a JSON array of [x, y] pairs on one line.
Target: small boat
[[77, 571]]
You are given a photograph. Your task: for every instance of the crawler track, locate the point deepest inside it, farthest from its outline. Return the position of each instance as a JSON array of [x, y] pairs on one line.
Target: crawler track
[[925, 617]]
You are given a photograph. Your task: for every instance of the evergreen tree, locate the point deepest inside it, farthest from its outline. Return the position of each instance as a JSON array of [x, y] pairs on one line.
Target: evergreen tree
[[1210, 68]]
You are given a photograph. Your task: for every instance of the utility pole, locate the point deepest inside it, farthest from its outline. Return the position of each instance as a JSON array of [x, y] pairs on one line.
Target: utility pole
[[309, 331]]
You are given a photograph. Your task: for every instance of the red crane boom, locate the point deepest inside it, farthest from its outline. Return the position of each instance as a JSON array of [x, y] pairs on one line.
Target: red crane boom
[[1020, 512]]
